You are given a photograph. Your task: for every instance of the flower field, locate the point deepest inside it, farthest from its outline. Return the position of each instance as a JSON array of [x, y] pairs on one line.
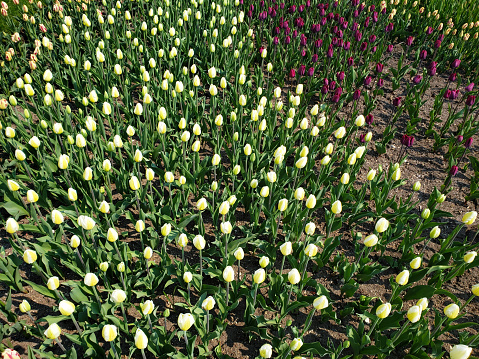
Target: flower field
[[239, 179]]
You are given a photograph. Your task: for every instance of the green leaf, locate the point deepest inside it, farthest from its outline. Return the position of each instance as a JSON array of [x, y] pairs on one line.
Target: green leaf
[[420, 291], [41, 289]]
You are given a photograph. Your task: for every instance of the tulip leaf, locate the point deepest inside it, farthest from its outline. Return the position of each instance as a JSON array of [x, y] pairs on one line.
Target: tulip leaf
[[51, 319], [420, 291], [41, 289], [14, 209]]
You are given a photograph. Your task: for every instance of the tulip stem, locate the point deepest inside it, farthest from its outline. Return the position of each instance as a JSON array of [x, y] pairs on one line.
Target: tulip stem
[[143, 353], [76, 324], [373, 326], [79, 256], [60, 345], [227, 292], [282, 265], [405, 325], [207, 321], [239, 270], [302, 276], [438, 327], [112, 346], [38, 327], [189, 292], [254, 297], [149, 323]]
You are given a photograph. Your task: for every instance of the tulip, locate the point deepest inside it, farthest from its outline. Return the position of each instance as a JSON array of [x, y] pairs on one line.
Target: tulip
[[414, 314], [259, 276], [118, 296], [90, 279], [147, 307], [141, 340], [185, 321], [66, 307], [296, 344], [415, 263], [24, 306], [11, 226], [403, 277], [469, 218], [336, 208], [382, 225], [266, 351], [451, 311], [13, 186], [294, 276], [470, 256], [53, 331], [371, 240], [20, 155], [29, 256], [320, 302], [311, 201], [109, 333], [383, 310], [460, 351], [53, 283]]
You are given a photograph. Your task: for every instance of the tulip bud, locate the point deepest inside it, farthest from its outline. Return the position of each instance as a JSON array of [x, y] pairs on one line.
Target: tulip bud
[[382, 225], [293, 276], [415, 263], [460, 351], [53, 331], [29, 256], [336, 208], [451, 311], [141, 340], [403, 277], [311, 201], [383, 310], [228, 274], [53, 283], [24, 306], [470, 256], [320, 302], [414, 314]]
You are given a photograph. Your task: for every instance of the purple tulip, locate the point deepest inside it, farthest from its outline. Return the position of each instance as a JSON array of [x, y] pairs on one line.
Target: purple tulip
[[326, 82], [304, 40], [454, 94], [303, 53], [441, 37], [470, 87], [330, 52], [301, 8], [390, 48], [282, 6], [468, 143], [302, 70], [332, 85], [453, 77], [409, 40], [455, 64], [323, 20], [369, 118], [277, 30], [380, 83], [292, 73], [417, 79], [350, 61], [355, 13], [373, 50], [453, 170], [375, 17], [362, 138], [357, 95], [338, 91], [355, 27], [397, 102], [295, 34], [336, 98], [367, 81], [429, 30], [363, 46], [324, 89], [287, 40], [358, 36], [447, 94], [347, 46], [389, 27], [379, 67], [314, 58], [311, 72], [275, 41], [470, 100], [340, 76], [423, 55], [437, 44], [292, 9], [372, 38], [459, 139]]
